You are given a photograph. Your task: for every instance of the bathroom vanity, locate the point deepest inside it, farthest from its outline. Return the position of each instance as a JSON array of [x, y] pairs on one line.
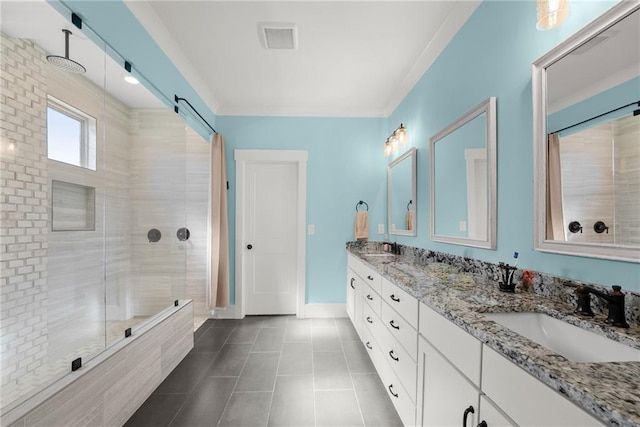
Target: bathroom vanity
[[442, 357]]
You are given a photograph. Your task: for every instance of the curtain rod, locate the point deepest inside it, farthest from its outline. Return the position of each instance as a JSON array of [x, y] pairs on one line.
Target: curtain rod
[[176, 109], [635, 113]]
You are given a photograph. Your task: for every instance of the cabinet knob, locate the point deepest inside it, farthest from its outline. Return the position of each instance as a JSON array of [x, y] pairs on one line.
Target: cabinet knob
[[368, 344], [393, 356], [369, 319], [483, 423], [467, 411], [369, 297], [249, 246], [393, 325], [353, 279], [369, 277], [394, 298]]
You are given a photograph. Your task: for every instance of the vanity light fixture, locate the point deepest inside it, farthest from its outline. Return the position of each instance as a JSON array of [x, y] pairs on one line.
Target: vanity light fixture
[[397, 139], [551, 13]]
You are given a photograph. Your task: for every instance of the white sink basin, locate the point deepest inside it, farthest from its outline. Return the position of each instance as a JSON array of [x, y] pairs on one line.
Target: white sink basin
[[572, 342]]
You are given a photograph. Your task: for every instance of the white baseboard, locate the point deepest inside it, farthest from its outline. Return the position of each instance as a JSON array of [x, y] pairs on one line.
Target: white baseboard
[[310, 311], [325, 310]]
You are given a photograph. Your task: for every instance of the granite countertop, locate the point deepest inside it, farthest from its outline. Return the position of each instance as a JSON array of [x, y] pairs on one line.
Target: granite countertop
[[609, 391]]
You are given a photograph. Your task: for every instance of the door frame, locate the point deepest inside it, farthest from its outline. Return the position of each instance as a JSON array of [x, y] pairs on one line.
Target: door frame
[[243, 158]]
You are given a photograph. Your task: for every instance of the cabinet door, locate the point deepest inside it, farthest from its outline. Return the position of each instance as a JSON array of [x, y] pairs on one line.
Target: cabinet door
[[351, 295], [444, 393], [492, 416]]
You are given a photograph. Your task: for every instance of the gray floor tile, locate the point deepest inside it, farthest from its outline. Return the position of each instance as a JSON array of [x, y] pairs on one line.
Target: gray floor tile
[[157, 411], [337, 408], [202, 329], [243, 335], [346, 331], [206, 404], [226, 323], [323, 323], [187, 374], [247, 410], [259, 373], [330, 371], [298, 332], [212, 340], [229, 361], [377, 409], [251, 321], [325, 339], [358, 359], [276, 321], [293, 402], [296, 359], [269, 339]]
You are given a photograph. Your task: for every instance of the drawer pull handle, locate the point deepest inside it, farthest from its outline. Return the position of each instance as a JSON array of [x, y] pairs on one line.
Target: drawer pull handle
[[391, 391], [466, 413], [483, 424], [393, 325], [369, 297], [353, 279], [393, 356], [369, 277], [369, 319], [368, 344], [393, 298]]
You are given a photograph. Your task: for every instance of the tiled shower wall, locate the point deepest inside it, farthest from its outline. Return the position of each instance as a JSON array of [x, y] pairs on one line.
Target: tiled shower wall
[[626, 171], [23, 209]]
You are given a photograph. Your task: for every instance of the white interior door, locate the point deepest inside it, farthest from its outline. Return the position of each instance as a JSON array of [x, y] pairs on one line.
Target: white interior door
[[270, 236]]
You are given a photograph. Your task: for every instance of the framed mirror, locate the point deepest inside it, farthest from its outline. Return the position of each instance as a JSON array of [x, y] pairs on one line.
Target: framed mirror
[[586, 104], [401, 194], [463, 179]]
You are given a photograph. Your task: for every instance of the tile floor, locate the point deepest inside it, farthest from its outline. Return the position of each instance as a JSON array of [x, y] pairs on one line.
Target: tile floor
[[272, 371]]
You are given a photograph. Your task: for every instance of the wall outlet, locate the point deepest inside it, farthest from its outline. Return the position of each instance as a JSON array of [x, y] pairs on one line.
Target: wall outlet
[[380, 228], [311, 229], [462, 226]]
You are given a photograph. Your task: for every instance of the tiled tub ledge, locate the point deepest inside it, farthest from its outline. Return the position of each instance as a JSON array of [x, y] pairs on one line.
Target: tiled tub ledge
[[108, 389], [462, 290]]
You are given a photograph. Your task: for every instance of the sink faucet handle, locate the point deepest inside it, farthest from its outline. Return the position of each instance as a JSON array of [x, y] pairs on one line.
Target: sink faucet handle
[[584, 301]]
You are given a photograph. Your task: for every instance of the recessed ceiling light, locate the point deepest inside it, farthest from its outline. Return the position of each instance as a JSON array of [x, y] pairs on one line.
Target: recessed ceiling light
[[131, 80]]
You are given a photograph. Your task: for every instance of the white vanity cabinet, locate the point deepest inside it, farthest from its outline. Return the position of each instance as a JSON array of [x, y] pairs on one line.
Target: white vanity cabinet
[[525, 399]]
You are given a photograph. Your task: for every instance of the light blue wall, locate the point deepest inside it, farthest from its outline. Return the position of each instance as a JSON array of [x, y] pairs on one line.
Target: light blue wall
[[492, 56], [346, 164]]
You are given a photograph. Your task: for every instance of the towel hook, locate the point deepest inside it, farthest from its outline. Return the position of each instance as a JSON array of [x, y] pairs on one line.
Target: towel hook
[[361, 203], [409, 205]]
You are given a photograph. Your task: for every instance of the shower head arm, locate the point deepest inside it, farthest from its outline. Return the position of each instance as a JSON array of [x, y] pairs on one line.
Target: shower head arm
[[67, 33]]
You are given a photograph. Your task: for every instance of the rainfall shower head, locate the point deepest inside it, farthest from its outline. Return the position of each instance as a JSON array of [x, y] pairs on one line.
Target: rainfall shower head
[[63, 62]]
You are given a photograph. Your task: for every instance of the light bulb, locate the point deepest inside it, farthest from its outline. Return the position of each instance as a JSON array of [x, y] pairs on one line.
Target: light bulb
[[551, 13], [394, 142], [388, 149], [401, 134]]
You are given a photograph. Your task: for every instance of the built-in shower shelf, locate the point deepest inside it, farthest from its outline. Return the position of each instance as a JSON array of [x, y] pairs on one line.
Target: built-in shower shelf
[[73, 207]]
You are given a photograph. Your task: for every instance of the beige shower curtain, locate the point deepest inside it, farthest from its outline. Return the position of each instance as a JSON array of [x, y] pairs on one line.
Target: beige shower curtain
[[218, 290], [555, 218]]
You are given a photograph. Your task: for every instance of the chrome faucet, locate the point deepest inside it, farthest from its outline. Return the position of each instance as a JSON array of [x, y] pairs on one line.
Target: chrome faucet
[[614, 299]]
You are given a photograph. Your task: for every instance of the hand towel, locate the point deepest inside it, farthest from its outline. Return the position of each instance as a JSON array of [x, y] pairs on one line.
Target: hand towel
[[362, 225], [409, 220]]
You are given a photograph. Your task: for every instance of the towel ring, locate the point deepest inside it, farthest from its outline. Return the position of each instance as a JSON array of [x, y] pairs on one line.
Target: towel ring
[[409, 205], [361, 203]]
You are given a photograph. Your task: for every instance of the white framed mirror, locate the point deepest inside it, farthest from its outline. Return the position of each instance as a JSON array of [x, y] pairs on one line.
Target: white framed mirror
[[586, 118], [463, 179], [401, 194]]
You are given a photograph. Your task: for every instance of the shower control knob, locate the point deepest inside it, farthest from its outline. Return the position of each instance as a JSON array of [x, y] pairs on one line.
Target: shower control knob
[[249, 246]]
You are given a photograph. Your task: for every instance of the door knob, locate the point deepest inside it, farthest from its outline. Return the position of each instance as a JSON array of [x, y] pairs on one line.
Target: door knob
[[249, 246]]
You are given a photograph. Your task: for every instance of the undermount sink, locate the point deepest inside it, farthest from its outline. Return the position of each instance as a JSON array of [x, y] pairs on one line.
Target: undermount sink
[[572, 342]]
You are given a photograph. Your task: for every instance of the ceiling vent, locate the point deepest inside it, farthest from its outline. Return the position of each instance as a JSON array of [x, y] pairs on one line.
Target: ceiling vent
[[278, 35]]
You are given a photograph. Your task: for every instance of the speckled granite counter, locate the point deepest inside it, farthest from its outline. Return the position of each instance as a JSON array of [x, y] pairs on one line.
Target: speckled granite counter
[[610, 391]]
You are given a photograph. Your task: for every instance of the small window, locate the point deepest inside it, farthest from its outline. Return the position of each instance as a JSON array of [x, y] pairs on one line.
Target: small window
[[71, 135]]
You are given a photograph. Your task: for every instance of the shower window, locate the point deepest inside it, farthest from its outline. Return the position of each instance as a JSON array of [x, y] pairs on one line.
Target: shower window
[[71, 135]]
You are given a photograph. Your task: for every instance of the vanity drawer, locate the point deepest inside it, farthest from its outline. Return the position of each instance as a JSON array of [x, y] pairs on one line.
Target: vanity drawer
[[372, 347], [402, 364], [371, 320], [368, 275], [398, 395], [463, 350], [373, 300], [401, 330], [401, 302]]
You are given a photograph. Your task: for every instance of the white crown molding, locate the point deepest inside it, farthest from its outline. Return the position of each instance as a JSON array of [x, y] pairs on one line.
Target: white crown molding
[[290, 111], [457, 17], [145, 14]]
